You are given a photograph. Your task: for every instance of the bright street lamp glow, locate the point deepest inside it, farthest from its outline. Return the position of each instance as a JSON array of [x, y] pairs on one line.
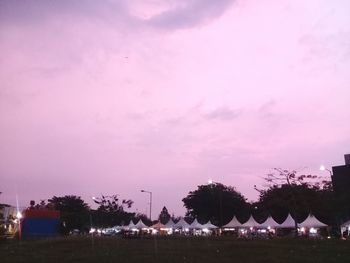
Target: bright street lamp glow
[[19, 215], [324, 168]]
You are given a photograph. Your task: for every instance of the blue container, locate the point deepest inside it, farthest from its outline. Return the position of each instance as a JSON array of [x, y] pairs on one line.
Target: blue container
[[39, 227]]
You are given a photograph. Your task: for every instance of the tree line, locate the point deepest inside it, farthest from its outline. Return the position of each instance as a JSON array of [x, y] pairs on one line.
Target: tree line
[[285, 192]]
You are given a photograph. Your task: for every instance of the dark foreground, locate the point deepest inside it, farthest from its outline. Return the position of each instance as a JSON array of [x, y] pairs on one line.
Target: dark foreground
[[219, 249]]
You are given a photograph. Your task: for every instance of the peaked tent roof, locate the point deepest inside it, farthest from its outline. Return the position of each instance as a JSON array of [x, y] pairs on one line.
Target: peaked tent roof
[[182, 224], [251, 222], [140, 225], [195, 224], [130, 225], [170, 223], [288, 222], [233, 223], [312, 221], [270, 222], [209, 225]]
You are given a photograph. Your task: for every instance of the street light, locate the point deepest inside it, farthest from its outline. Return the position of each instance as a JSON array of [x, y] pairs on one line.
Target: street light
[[19, 215], [150, 202]]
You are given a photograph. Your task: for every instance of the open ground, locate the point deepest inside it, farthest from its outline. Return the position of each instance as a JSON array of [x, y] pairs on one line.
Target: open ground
[[196, 249]]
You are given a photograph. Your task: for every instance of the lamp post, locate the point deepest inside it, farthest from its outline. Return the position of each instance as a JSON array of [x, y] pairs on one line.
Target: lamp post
[[150, 202]]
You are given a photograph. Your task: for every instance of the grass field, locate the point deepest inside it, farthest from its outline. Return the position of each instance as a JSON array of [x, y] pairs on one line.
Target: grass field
[[218, 249]]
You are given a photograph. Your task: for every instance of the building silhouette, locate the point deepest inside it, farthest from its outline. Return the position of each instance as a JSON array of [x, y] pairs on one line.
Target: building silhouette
[[341, 177], [341, 186]]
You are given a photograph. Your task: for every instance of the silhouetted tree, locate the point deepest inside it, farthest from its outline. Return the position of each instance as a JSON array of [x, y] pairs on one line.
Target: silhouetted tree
[[143, 217], [290, 192], [74, 212], [31, 204], [299, 200], [164, 216], [175, 218], [110, 203], [111, 211], [327, 206], [215, 202]]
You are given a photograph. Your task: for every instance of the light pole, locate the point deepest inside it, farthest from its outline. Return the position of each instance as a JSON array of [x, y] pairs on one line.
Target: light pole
[[150, 202]]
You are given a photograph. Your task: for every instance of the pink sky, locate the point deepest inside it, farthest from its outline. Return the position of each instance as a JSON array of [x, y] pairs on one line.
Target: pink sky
[[117, 96]]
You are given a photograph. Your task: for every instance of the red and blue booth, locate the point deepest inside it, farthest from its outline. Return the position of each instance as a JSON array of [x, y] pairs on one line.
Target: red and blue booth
[[37, 223]]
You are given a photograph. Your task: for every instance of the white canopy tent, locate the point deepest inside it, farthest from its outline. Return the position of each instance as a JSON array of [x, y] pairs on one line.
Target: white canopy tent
[[269, 223], [251, 223], [233, 223], [288, 222], [209, 225], [130, 225], [312, 221], [140, 225], [170, 224], [196, 225], [182, 224]]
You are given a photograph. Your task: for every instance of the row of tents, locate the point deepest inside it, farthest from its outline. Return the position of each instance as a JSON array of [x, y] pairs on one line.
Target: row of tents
[[310, 222]]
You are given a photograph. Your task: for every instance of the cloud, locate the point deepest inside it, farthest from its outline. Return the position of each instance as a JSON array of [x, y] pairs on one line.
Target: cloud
[[40, 10], [267, 110], [222, 113], [193, 13], [178, 14]]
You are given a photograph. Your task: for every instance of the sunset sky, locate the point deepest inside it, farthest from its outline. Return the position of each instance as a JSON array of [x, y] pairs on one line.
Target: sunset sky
[[116, 96]]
